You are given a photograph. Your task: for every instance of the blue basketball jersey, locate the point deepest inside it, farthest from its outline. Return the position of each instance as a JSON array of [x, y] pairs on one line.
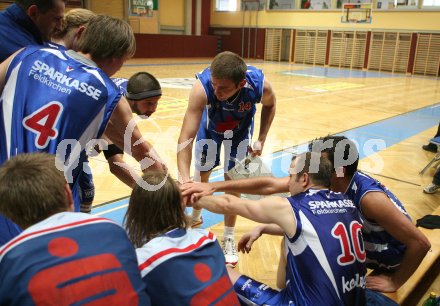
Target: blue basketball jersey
[[52, 96], [185, 267], [326, 256], [238, 115], [71, 259], [383, 251], [121, 83]]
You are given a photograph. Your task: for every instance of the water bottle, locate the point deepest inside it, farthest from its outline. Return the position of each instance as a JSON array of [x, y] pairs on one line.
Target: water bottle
[[432, 300]]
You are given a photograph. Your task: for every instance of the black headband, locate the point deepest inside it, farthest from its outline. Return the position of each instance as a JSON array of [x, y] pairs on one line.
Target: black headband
[[143, 95]]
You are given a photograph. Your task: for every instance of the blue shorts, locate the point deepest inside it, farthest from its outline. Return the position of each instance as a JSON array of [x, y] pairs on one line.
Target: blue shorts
[[208, 147], [374, 298], [86, 188], [251, 292]]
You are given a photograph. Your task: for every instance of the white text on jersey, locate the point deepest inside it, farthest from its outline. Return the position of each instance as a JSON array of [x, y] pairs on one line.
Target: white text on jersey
[[50, 72]]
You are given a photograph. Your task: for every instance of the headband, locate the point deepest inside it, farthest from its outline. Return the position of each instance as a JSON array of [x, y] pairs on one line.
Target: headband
[[143, 95]]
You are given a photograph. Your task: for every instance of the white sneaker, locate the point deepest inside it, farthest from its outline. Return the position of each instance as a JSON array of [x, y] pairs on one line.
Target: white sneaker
[[230, 251], [431, 188]]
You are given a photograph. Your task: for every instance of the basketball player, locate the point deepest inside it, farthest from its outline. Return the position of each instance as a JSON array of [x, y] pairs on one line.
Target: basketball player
[[142, 92], [61, 257], [29, 22], [316, 223], [394, 246], [179, 266], [221, 109], [66, 98], [146, 92], [73, 24]]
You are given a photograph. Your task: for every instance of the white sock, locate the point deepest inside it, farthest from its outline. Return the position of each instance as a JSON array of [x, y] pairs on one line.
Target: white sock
[[196, 214], [228, 232]]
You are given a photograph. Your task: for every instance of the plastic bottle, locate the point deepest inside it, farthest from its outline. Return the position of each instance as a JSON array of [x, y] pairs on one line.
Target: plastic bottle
[[431, 300]]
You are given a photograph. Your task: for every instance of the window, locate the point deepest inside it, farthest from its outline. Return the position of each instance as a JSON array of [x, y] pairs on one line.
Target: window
[[431, 2], [405, 3], [226, 5], [281, 4]]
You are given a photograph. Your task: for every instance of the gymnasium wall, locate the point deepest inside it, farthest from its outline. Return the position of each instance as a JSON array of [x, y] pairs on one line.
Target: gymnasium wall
[[388, 20], [163, 45], [115, 8]]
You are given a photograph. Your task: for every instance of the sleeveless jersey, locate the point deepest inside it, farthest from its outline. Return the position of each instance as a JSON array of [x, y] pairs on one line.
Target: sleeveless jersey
[[238, 115], [71, 259], [185, 267], [49, 96], [383, 251], [121, 83], [325, 258]]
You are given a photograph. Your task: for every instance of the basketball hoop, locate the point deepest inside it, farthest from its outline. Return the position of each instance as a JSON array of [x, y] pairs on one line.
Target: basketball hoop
[[356, 13]]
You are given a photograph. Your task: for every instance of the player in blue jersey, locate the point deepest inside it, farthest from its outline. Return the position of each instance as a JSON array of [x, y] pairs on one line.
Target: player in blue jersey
[[73, 24], [66, 99], [325, 254], [61, 257], [145, 91], [221, 110], [394, 246], [28, 22], [179, 266]]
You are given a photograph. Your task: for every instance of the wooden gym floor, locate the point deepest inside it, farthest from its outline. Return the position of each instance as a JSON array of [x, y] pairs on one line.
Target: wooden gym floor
[[311, 102]]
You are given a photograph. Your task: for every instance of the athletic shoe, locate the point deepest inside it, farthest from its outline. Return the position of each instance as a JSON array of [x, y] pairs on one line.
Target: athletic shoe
[[197, 222], [230, 251], [430, 147], [431, 188]]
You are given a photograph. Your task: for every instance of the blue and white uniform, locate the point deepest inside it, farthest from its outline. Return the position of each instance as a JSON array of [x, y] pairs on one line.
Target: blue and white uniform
[[71, 259], [121, 83], [325, 257], [185, 267], [383, 251], [86, 188], [227, 122], [51, 97]]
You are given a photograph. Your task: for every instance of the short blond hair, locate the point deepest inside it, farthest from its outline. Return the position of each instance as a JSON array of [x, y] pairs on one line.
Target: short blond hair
[[74, 19]]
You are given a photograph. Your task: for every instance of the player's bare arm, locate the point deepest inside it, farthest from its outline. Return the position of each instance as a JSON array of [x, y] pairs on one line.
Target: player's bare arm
[[256, 185], [118, 167], [267, 114], [248, 239], [270, 210], [138, 147], [196, 104], [378, 207]]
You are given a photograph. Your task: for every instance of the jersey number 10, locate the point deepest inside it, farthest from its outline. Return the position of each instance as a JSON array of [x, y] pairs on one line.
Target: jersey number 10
[[350, 240]]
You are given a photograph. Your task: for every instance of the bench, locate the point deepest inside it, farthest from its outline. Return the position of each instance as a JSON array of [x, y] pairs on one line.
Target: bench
[[418, 284], [436, 158]]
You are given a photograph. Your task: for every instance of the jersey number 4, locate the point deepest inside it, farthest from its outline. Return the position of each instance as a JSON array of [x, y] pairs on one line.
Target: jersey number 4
[[43, 123], [350, 240]]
